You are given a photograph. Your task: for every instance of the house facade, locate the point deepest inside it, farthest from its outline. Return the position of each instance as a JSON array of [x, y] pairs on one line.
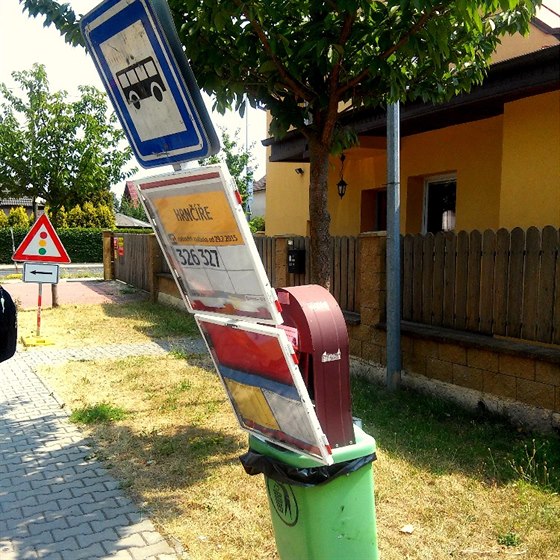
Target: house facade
[[488, 159], [258, 207]]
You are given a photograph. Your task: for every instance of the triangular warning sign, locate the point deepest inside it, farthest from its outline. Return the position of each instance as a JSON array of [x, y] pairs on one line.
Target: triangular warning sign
[[41, 244]]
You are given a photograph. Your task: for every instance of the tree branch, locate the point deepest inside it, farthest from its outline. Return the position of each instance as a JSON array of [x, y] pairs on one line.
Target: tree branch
[[299, 89], [383, 56], [332, 109]]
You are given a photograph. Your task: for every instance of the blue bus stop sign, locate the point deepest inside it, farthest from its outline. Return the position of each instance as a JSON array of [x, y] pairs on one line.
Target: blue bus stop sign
[[139, 57]]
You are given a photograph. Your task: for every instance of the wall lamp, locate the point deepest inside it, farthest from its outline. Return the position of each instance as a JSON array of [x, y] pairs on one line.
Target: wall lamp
[[342, 184], [299, 171]]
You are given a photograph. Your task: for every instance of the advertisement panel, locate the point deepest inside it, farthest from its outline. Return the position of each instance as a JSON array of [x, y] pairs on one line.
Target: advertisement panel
[[258, 367], [202, 229]]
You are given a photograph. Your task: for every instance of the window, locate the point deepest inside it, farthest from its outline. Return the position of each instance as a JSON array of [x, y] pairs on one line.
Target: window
[[374, 210], [439, 203]]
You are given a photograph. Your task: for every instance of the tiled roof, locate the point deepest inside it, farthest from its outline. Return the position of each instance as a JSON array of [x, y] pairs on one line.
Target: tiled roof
[[24, 201], [260, 185], [127, 221], [131, 191]]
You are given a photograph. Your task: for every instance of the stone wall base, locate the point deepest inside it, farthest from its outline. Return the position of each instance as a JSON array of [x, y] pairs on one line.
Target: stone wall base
[[519, 414]]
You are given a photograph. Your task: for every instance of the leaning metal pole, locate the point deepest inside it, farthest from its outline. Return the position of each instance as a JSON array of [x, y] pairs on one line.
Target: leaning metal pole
[[393, 248]]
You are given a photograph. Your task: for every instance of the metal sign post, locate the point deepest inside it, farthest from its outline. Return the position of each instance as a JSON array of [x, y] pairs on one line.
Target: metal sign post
[[42, 274], [39, 302], [394, 365], [40, 251]]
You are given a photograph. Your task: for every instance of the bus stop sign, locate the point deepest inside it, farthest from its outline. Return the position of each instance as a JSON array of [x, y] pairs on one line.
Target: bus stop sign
[[139, 57]]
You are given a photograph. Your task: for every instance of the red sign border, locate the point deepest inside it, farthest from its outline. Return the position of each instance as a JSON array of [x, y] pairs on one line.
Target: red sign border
[[42, 221]]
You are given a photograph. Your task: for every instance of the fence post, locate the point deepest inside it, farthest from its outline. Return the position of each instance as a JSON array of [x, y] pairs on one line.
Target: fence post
[[281, 275], [108, 264], [372, 282], [154, 266]]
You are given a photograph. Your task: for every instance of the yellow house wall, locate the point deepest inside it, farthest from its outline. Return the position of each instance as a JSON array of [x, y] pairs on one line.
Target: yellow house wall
[[508, 174], [530, 194], [360, 173], [473, 152], [287, 199]]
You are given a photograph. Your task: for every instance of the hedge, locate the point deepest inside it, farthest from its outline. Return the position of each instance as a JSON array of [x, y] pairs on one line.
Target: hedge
[[84, 245]]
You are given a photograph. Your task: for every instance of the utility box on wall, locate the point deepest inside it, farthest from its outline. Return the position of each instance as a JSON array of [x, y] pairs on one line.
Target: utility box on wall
[[296, 261]]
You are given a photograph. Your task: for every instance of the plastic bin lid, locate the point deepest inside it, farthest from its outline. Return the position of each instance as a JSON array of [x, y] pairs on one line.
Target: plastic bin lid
[[365, 445]]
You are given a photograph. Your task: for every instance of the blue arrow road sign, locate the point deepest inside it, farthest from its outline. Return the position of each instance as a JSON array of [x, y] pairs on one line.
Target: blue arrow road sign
[[137, 52]]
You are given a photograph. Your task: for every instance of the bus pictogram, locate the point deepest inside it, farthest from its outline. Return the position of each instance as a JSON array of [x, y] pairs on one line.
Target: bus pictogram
[[141, 81]]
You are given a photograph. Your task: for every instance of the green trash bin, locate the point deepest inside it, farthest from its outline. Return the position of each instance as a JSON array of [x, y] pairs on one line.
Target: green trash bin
[[319, 512]]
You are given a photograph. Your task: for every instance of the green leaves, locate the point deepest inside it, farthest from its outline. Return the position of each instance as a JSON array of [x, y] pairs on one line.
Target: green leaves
[[60, 15], [238, 160], [65, 152], [290, 51]]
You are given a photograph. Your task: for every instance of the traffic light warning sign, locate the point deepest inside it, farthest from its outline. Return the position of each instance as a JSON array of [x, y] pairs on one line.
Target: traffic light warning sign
[[41, 244]]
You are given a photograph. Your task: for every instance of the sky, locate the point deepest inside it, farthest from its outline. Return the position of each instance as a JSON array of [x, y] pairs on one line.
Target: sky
[[24, 41]]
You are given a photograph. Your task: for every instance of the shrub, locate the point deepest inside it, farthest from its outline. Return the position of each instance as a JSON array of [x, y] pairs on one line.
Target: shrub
[[105, 217], [84, 245], [76, 217], [257, 224], [18, 217], [8, 244]]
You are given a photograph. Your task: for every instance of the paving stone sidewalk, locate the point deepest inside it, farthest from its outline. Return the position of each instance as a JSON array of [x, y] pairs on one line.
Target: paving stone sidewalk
[[55, 502]]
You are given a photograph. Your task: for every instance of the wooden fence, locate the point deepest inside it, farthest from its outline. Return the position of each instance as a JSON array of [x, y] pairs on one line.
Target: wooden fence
[[131, 265], [503, 283], [344, 272], [266, 247]]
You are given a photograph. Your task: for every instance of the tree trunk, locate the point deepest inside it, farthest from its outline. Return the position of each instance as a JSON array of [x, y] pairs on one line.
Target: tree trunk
[[319, 217]]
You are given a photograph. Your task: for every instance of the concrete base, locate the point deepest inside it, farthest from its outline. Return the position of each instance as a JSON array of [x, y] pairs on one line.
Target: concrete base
[[36, 341]]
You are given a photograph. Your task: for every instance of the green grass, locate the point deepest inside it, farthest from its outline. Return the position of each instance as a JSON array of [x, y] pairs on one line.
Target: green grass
[[470, 484], [97, 413], [157, 321], [71, 275], [509, 539], [443, 438]]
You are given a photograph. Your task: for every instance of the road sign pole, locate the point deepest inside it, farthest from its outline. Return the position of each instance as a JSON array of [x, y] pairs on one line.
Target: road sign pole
[[39, 301]]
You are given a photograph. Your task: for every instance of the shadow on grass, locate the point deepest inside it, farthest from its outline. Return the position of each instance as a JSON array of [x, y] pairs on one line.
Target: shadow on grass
[[440, 437], [164, 466], [155, 320], [42, 456]]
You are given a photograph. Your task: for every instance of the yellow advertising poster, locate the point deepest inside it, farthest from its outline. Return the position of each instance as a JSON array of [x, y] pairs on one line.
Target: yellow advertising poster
[[199, 219], [252, 404], [201, 226]]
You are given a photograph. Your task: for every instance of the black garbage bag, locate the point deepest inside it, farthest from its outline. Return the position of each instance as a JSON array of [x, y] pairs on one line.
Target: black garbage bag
[[256, 463], [8, 326]]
